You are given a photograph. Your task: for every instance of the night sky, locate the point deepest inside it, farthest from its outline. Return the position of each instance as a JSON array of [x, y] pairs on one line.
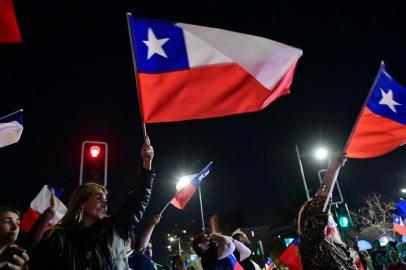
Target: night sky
[[74, 78]]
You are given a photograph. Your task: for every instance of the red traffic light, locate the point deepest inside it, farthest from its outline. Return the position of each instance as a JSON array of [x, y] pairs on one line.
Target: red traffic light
[[93, 162], [94, 151]]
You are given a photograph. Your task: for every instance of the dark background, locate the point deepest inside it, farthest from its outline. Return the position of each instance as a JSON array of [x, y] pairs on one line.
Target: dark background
[[74, 78]]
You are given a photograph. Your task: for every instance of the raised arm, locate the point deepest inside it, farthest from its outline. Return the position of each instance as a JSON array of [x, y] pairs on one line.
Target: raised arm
[[39, 227], [131, 212], [312, 218], [146, 236], [335, 164], [244, 251], [225, 245]]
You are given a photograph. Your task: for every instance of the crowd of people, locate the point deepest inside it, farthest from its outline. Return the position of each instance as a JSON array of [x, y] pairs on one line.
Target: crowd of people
[[88, 238]]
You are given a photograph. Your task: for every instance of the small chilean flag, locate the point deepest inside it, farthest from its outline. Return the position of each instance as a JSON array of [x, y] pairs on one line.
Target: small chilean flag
[[40, 203], [187, 71], [398, 225], [186, 187], [269, 264]]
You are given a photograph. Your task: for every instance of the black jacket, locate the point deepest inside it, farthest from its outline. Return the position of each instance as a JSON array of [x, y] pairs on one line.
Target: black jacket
[[100, 246]]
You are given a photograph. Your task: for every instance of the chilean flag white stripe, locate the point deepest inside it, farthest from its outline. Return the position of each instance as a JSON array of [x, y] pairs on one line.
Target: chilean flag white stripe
[[265, 59], [40, 203], [11, 128]]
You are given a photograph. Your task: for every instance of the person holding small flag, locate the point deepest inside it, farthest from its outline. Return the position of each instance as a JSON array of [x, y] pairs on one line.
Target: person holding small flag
[[11, 255], [216, 252], [141, 256], [319, 246]]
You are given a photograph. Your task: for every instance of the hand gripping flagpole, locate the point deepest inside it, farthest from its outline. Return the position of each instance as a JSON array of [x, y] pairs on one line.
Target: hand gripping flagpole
[[144, 129], [330, 193]]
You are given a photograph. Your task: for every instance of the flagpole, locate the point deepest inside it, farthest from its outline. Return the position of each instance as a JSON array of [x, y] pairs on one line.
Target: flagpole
[[144, 129], [363, 105], [163, 209], [20, 110], [201, 208], [330, 192]]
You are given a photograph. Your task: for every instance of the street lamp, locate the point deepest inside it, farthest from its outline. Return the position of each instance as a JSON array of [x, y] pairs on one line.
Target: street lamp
[[403, 190], [320, 153], [172, 240]]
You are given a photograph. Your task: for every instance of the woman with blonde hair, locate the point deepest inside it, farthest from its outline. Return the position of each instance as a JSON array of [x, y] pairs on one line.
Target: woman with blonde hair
[[86, 237]]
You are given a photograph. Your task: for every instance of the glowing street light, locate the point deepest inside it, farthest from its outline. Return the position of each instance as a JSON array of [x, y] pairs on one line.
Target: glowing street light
[[403, 190], [183, 182], [321, 153]]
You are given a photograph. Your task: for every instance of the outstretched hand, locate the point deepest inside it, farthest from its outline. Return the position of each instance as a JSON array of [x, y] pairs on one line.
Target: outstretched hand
[[147, 154]]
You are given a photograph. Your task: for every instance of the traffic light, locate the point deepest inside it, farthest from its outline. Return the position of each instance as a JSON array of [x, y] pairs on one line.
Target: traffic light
[[343, 217], [93, 162], [259, 249]]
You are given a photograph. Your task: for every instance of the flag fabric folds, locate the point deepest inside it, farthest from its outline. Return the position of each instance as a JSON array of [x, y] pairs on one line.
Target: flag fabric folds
[[188, 72], [9, 32], [187, 187], [40, 203], [398, 225], [290, 256], [381, 126], [11, 128]]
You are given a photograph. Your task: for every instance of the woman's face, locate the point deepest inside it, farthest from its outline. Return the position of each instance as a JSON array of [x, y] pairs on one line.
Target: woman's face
[[95, 207]]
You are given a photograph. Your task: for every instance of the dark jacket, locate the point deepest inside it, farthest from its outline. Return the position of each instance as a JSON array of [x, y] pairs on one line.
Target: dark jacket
[[100, 246]]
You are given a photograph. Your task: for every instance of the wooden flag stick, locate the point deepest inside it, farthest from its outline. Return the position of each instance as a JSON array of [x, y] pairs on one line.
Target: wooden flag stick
[[382, 66], [144, 129], [163, 209], [20, 110]]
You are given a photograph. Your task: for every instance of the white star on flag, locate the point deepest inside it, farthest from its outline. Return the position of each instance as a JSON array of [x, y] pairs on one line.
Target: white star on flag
[[155, 45], [387, 99]]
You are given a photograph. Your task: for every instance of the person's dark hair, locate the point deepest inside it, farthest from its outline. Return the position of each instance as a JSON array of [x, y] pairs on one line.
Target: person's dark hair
[[4, 209], [242, 237], [195, 244]]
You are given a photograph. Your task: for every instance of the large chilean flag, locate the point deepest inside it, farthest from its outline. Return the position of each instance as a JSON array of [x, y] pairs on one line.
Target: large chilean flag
[[381, 126], [187, 71]]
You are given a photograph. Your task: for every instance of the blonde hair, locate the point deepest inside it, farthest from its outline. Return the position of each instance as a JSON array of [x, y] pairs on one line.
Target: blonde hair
[[74, 215]]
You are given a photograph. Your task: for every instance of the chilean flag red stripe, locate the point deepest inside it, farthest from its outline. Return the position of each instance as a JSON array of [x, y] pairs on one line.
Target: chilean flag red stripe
[[369, 138], [9, 32]]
